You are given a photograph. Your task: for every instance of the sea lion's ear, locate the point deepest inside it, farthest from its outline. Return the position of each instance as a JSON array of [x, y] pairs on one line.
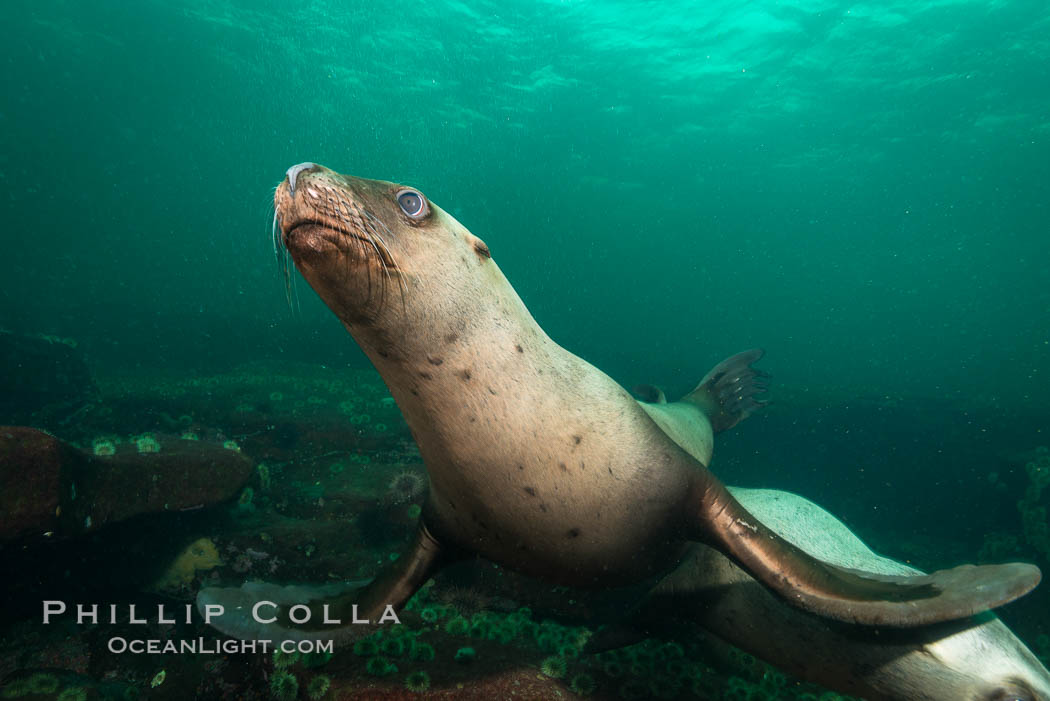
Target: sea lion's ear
[[479, 246], [850, 595]]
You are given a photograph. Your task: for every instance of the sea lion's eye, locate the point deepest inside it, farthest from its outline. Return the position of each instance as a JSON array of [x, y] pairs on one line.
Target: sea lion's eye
[[412, 204]]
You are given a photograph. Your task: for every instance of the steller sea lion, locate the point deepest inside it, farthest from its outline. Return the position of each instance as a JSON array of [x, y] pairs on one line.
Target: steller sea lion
[[537, 460]]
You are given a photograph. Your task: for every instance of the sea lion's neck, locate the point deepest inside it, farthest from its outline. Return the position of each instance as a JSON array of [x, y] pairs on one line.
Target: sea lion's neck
[[494, 349]]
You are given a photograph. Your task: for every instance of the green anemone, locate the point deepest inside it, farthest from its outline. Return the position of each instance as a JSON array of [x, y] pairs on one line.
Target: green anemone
[[421, 652], [547, 642], [394, 647], [73, 693], [554, 667], [457, 625], [582, 685], [417, 682], [42, 683], [283, 659], [316, 659], [380, 667], [318, 687], [284, 686], [569, 652]]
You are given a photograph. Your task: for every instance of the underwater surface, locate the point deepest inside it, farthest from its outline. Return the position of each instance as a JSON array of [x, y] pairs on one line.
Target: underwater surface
[[862, 190]]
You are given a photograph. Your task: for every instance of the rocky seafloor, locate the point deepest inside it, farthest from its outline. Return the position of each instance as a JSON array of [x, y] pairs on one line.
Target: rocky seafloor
[[161, 485]]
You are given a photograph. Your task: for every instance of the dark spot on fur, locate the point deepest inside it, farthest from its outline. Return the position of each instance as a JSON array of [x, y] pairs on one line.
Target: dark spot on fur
[[573, 533], [426, 375], [563, 467], [531, 491], [520, 349], [434, 361], [466, 375], [481, 249], [577, 439], [609, 469], [383, 354], [492, 391], [473, 419], [521, 467], [543, 508], [452, 337]]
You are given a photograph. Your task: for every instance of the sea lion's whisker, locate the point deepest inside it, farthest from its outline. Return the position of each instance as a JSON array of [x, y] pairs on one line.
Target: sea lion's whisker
[[382, 242], [281, 255], [341, 210], [402, 284], [372, 234], [364, 234]]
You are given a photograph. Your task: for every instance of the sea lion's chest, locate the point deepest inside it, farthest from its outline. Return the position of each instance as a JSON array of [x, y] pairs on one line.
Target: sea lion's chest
[[562, 476]]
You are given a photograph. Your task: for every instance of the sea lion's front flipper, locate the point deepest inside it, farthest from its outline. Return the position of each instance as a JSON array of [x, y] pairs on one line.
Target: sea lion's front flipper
[[851, 595], [346, 603]]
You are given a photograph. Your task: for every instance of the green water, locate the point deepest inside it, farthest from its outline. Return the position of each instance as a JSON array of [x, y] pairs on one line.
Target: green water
[[861, 189]]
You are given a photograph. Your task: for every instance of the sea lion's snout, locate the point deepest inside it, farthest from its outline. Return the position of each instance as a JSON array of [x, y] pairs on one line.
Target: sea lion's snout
[[336, 230], [293, 174], [314, 204]]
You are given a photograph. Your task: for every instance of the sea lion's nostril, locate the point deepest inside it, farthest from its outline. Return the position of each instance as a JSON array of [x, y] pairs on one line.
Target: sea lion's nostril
[[294, 172]]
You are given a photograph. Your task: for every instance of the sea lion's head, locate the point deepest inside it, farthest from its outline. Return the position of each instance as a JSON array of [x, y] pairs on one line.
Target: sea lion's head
[[390, 263]]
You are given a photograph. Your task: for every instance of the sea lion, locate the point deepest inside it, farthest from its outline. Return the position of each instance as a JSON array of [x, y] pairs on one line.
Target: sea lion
[[537, 460], [977, 659]]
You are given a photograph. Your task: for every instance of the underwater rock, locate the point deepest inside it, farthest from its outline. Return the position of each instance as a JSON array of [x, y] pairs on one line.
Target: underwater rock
[[39, 372], [35, 473], [183, 475], [50, 487]]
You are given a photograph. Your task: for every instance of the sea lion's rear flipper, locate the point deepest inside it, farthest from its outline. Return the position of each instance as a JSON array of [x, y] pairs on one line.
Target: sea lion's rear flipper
[[845, 594], [387, 593], [727, 393]]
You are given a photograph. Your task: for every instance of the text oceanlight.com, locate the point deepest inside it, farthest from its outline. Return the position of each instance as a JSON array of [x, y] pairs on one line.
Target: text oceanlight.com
[[201, 646]]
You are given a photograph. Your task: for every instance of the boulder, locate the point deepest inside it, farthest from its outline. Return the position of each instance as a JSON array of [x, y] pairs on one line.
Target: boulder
[[48, 486]]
